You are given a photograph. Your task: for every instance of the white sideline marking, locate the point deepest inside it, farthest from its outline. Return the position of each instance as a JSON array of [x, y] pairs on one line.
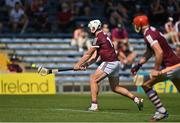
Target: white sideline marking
[[84, 111], [106, 112]]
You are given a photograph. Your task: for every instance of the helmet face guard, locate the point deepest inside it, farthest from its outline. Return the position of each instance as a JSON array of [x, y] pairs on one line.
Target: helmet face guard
[[92, 29], [94, 25]]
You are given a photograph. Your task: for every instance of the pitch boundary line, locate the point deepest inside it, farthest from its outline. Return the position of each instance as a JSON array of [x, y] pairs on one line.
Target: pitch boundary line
[[84, 111], [106, 112]]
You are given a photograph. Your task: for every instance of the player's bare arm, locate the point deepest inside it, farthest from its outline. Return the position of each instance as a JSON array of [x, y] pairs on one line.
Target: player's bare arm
[[93, 58], [85, 58], [158, 55], [146, 56]]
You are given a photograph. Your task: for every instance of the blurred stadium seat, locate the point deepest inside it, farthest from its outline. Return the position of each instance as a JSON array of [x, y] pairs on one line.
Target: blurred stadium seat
[[58, 53], [52, 48]]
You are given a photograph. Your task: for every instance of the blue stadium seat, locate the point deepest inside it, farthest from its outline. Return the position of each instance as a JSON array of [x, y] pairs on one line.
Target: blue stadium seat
[[48, 54], [41, 47], [136, 41], [59, 66], [139, 47], [148, 66], [72, 79], [57, 53], [51, 60], [5, 40], [75, 73]]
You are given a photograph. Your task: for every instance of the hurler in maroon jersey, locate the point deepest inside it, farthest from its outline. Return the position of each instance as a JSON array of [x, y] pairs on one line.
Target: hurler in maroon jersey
[[102, 47], [164, 57]]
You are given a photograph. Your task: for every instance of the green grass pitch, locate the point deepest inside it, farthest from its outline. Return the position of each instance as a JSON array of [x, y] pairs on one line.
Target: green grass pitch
[[72, 107]]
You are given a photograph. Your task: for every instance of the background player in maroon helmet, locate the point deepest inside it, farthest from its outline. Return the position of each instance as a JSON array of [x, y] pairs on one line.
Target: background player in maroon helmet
[[164, 57], [103, 47]]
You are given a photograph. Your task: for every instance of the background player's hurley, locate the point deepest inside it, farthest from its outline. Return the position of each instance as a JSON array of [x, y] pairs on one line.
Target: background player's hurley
[[139, 79], [155, 73], [44, 71]]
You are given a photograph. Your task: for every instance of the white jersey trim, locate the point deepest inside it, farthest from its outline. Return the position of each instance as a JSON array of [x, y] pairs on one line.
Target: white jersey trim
[[145, 30], [95, 46], [150, 27], [150, 40], [154, 43]]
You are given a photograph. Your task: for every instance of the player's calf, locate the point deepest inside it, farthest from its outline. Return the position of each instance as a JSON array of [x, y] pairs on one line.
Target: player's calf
[[154, 98], [125, 92]]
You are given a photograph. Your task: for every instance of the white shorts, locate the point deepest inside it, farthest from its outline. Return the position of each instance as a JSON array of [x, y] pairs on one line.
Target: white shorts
[[111, 68]]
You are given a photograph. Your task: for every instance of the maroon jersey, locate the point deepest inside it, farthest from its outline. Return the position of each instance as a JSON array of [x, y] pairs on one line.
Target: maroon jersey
[[152, 36], [105, 47], [116, 33]]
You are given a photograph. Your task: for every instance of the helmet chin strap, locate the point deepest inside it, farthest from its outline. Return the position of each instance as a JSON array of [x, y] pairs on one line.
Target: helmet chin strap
[[98, 30], [137, 29]]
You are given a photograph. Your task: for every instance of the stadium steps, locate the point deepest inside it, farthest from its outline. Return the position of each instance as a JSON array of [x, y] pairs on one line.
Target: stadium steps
[[57, 53], [65, 65], [37, 35], [81, 79], [48, 54], [82, 73], [52, 60], [34, 41], [136, 41], [47, 59], [54, 53], [40, 47], [139, 47]]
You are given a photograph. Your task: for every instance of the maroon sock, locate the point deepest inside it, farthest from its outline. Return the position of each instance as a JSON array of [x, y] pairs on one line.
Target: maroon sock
[[95, 102]]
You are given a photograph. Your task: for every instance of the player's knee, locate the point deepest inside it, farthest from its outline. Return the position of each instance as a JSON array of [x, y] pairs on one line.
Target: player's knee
[[93, 79], [145, 86], [114, 89]]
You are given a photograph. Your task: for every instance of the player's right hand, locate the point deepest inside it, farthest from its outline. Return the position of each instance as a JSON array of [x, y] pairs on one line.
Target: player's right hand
[[155, 73], [77, 67], [81, 67], [135, 68]]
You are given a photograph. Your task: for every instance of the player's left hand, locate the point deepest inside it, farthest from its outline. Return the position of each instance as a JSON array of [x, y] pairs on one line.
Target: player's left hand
[[84, 66], [155, 73], [135, 68]]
